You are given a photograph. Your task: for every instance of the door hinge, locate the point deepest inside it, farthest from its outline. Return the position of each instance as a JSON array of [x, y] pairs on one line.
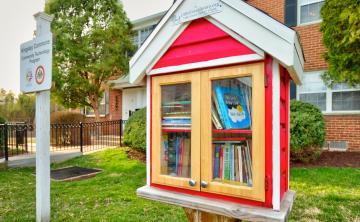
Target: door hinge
[[266, 183]]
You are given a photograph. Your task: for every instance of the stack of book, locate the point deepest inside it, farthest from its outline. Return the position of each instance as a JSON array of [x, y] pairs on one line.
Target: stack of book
[[231, 106], [232, 162], [176, 158], [176, 115]]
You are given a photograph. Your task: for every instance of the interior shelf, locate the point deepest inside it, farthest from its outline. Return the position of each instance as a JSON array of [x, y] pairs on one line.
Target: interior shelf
[[232, 131], [176, 130]]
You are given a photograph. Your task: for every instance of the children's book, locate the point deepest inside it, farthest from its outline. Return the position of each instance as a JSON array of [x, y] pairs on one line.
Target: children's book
[[232, 107]]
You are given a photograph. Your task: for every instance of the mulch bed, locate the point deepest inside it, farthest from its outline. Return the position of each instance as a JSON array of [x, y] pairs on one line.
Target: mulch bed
[[136, 155], [334, 159]]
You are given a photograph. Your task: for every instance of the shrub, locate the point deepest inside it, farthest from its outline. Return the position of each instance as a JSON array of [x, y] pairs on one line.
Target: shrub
[[2, 120], [307, 130], [135, 131], [69, 135], [66, 117]]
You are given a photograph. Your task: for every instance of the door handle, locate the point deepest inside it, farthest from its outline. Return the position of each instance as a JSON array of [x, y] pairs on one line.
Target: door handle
[[192, 182], [204, 184]]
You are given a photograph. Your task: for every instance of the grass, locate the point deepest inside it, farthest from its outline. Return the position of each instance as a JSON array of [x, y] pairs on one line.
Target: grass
[[323, 194]]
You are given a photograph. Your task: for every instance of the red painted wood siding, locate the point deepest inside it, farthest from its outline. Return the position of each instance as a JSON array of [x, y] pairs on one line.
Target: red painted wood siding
[[201, 41], [284, 131]]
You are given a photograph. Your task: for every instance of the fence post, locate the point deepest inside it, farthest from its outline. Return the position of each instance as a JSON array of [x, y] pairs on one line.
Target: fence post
[[81, 137], [6, 142], [121, 126]]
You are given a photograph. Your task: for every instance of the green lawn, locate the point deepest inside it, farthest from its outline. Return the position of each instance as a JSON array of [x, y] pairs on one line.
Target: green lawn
[[323, 194]]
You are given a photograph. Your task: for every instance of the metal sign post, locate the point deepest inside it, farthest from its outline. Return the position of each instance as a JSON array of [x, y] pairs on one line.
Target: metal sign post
[[35, 76]]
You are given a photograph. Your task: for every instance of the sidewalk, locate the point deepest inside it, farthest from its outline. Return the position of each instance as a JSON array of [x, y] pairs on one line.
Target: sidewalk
[[29, 160]]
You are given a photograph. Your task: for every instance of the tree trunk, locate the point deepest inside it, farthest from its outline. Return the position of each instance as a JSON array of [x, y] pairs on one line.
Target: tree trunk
[[95, 106], [97, 114]]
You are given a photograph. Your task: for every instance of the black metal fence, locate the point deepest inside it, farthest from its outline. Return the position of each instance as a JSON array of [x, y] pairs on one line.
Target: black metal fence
[[20, 138]]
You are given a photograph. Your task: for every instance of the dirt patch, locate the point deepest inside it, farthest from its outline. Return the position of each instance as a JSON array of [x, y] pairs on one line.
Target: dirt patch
[[334, 159], [136, 155]]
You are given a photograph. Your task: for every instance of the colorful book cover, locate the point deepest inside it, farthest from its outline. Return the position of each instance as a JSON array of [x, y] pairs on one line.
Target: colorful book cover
[[216, 169], [166, 146], [176, 121], [233, 110]]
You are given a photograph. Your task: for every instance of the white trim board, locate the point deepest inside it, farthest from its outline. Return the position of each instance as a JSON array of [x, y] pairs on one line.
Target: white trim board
[[242, 19], [207, 64], [276, 134]]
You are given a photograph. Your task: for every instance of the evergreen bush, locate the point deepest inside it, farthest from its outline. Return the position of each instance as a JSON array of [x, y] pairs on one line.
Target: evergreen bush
[[307, 130], [135, 131]]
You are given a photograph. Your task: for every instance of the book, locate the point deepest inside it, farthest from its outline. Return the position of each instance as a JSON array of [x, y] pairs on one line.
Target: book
[[221, 168], [226, 162], [231, 162], [186, 161], [236, 163], [171, 154], [232, 107], [241, 179], [249, 163], [216, 168]]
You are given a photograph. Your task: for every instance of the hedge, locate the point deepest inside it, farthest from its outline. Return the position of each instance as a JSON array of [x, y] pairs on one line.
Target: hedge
[[135, 130], [307, 130]]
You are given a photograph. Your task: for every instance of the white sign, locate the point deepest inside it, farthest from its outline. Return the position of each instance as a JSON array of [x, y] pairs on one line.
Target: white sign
[[36, 64], [201, 9]]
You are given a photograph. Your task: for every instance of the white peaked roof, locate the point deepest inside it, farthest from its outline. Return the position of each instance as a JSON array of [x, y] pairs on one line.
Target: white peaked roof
[[261, 30]]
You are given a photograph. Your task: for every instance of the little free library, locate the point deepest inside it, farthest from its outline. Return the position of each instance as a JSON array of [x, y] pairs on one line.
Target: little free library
[[218, 75]]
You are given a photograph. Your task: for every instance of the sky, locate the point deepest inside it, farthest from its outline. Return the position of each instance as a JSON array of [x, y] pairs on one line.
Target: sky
[[17, 25]]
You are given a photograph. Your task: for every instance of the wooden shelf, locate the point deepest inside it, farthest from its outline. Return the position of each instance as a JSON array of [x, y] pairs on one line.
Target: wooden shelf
[[176, 130], [232, 131]]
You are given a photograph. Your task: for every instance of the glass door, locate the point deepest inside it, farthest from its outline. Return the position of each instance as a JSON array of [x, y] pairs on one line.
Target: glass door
[[233, 142], [176, 130]]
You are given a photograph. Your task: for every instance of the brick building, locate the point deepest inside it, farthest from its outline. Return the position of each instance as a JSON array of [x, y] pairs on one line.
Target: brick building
[[339, 104]]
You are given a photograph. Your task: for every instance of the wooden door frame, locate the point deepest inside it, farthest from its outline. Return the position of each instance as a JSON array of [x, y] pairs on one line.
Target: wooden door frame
[[256, 71], [157, 82]]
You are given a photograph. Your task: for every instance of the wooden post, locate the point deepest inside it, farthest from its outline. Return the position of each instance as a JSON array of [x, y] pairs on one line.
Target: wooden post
[[201, 216], [42, 136]]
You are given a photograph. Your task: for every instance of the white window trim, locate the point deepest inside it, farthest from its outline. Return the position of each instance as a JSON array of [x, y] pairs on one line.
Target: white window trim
[[329, 92], [302, 3]]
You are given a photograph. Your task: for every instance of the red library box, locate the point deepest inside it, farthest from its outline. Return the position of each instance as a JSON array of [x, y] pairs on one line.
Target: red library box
[[218, 76]]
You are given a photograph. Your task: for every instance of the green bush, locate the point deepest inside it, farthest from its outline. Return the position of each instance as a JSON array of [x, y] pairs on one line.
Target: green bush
[[135, 131], [2, 120], [67, 117], [307, 130]]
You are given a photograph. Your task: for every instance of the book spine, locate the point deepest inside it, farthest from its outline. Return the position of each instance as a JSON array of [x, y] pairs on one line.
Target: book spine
[[240, 165], [226, 162], [221, 170], [216, 161]]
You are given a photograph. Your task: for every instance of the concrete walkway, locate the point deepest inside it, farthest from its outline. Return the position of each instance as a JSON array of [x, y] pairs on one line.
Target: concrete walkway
[[29, 160]]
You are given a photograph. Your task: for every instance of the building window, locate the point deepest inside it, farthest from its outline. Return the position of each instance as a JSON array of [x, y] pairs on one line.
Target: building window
[[317, 99], [309, 11], [140, 35], [341, 98], [103, 107]]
